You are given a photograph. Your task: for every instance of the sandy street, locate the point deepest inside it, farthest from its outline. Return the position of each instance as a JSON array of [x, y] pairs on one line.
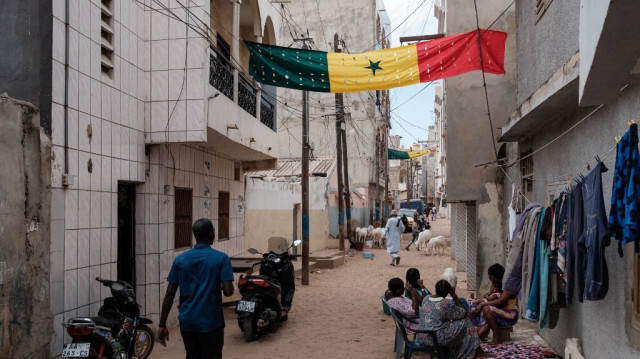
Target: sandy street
[[338, 315]]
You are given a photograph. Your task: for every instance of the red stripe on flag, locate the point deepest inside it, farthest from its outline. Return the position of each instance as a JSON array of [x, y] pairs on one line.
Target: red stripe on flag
[[458, 54]]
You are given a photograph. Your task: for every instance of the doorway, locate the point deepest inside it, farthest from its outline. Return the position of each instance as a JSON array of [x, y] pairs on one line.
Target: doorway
[[127, 233], [223, 216]]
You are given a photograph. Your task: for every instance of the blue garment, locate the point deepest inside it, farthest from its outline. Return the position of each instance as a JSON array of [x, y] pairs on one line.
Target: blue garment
[[199, 273], [543, 260], [624, 218], [574, 268], [533, 303], [596, 236]]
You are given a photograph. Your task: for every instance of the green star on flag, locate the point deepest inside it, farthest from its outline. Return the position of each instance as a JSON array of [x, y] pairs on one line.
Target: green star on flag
[[373, 66]]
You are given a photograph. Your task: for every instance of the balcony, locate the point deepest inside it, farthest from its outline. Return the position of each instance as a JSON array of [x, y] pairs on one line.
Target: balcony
[[241, 116]]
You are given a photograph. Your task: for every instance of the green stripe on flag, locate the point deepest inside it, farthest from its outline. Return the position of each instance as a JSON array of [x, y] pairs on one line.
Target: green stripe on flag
[[287, 67], [397, 155]]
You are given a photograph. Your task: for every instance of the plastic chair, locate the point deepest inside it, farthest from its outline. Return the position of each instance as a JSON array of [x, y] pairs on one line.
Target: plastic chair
[[412, 346]]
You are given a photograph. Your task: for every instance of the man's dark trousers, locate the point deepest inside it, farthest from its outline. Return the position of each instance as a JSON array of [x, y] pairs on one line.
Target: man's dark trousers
[[203, 345]]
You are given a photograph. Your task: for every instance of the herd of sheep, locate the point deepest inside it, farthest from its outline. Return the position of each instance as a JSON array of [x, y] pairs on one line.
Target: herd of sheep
[[426, 242]]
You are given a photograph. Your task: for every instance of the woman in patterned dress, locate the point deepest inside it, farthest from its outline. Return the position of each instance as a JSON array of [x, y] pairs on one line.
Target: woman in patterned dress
[[407, 306], [449, 319]]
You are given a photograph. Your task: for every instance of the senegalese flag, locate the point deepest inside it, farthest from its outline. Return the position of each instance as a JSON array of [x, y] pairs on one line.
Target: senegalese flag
[[405, 155], [424, 61]]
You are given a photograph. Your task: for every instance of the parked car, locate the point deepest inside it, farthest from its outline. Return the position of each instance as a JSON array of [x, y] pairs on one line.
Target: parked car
[[409, 213]]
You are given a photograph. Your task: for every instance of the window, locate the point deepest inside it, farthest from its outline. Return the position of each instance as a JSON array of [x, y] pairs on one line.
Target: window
[[106, 31], [526, 170], [183, 210], [223, 216], [223, 46], [236, 172], [541, 7]]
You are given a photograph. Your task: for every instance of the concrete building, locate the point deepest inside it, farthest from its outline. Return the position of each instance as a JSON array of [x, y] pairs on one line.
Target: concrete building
[[395, 179], [576, 91], [440, 165], [475, 192], [361, 26], [152, 121]]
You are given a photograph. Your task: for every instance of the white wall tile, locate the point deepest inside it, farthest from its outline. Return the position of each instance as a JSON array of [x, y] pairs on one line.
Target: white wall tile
[[114, 243], [105, 204], [84, 53], [96, 206], [71, 249], [151, 238], [96, 135], [83, 139], [96, 21], [116, 141], [106, 138], [115, 106], [177, 48], [59, 9], [84, 178], [105, 242], [197, 54], [178, 113], [196, 83], [125, 12], [96, 57], [105, 107], [71, 209], [94, 286], [159, 85], [125, 114], [84, 17], [152, 268], [177, 84], [124, 170], [71, 289], [84, 247], [96, 98], [84, 209], [96, 175], [159, 26], [95, 247], [73, 88], [159, 55], [159, 115], [57, 124], [58, 39], [73, 13], [84, 93], [195, 120], [83, 287], [178, 28], [57, 82]]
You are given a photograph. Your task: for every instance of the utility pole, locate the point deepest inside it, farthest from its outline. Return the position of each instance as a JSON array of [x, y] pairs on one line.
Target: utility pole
[[339, 149], [345, 162], [305, 181], [409, 184], [386, 157], [377, 177]]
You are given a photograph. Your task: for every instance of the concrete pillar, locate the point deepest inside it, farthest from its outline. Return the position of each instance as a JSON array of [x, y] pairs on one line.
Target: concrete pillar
[[235, 45], [472, 247]]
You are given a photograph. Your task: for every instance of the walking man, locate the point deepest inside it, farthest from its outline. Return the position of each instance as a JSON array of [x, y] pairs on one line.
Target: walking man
[[201, 273], [393, 233]]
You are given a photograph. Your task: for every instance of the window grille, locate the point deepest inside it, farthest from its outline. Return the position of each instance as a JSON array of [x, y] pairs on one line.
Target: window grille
[[223, 216], [183, 220], [106, 42]]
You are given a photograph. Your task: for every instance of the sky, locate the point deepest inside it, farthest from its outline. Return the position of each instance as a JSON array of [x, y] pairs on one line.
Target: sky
[[411, 119]]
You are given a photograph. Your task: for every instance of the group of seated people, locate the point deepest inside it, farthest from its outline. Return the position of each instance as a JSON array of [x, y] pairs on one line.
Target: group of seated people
[[459, 325]]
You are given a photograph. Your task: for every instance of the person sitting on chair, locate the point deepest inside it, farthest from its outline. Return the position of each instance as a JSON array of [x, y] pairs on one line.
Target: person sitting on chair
[[396, 300]]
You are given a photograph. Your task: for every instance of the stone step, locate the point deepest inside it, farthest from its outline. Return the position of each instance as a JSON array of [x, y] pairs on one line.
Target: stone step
[[330, 263]]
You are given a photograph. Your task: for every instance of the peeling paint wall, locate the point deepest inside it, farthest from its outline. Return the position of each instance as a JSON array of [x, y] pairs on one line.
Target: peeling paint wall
[[25, 319]]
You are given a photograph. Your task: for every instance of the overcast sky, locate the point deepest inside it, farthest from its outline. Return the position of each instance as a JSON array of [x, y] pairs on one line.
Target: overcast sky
[[416, 115]]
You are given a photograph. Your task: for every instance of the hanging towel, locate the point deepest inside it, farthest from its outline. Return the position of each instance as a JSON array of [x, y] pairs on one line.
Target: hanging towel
[[545, 251], [624, 218], [528, 234]]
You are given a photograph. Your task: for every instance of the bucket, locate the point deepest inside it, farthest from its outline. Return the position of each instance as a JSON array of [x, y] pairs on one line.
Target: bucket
[[385, 307], [368, 244], [367, 255]]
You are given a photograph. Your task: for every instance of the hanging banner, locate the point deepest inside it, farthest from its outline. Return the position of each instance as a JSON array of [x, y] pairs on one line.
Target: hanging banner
[[405, 155], [424, 61]]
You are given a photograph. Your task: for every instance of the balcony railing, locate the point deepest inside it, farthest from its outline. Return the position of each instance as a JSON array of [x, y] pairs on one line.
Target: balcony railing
[[246, 95], [267, 112], [221, 75]]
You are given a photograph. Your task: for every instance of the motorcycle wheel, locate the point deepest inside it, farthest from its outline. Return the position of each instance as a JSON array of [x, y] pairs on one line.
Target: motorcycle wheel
[[144, 340], [249, 329]]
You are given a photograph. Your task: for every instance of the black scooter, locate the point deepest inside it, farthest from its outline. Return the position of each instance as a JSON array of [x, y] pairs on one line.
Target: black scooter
[[118, 332], [266, 298]]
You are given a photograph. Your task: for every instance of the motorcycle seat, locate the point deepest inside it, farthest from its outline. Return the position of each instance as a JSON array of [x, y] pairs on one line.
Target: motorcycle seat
[[104, 322]]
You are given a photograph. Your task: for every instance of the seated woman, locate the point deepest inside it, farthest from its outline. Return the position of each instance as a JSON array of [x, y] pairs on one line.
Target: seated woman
[[503, 310], [407, 306], [448, 318], [494, 293], [413, 279]]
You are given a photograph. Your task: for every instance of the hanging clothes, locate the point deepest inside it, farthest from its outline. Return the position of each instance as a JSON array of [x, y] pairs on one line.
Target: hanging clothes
[[624, 218], [561, 231], [513, 283], [574, 253], [533, 303], [528, 235], [516, 198], [512, 221], [596, 236]]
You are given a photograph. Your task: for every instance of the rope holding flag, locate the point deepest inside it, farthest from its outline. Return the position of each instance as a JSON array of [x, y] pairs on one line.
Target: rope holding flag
[[424, 61]]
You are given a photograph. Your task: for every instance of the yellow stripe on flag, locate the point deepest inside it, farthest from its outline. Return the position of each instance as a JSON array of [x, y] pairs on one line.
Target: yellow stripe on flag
[[413, 154], [374, 70]]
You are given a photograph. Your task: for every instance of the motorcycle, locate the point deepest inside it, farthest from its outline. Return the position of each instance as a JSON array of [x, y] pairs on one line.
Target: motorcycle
[[118, 332], [266, 298]]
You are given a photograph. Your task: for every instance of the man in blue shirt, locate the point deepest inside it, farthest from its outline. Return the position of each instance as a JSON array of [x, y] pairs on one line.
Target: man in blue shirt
[[200, 273]]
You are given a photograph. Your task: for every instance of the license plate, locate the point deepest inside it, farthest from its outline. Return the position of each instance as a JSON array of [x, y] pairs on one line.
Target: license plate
[[76, 350], [244, 306]]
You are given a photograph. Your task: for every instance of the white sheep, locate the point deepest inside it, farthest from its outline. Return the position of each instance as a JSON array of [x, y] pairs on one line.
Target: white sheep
[[377, 234], [438, 244], [361, 234], [450, 276], [423, 239]]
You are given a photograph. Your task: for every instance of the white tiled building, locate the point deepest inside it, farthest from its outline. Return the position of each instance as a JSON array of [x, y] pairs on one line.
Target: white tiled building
[[157, 135]]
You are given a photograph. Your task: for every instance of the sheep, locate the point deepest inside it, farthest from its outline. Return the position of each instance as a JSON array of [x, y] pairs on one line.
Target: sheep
[[361, 234], [437, 243], [377, 234], [423, 239], [450, 276]]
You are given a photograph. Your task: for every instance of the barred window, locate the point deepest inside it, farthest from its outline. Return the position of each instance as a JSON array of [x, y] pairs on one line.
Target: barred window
[[183, 220]]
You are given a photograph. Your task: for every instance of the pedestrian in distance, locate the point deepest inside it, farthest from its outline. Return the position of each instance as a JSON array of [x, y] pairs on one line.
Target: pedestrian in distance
[[415, 231], [393, 233], [201, 273]]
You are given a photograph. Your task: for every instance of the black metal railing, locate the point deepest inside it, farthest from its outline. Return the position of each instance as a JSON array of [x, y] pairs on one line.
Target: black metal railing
[[267, 112], [221, 75], [246, 95]]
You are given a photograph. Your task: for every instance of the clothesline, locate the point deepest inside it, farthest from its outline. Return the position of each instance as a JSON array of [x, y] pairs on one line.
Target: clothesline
[[575, 172]]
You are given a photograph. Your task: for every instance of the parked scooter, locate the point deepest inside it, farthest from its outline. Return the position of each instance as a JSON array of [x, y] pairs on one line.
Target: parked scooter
[[118, 332], [266, 298]]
